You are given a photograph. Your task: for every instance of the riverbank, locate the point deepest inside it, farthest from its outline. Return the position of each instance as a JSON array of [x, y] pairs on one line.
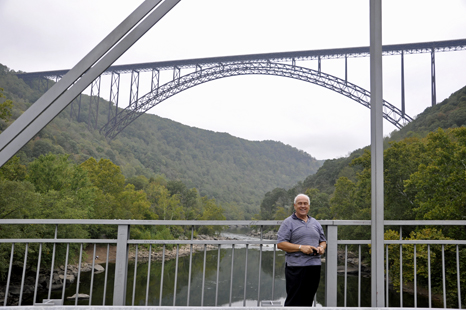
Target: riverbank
[[143, 251]]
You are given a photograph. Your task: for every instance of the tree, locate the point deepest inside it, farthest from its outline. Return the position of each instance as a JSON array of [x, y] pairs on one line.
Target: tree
[[5, 107], [134, 205], [422, 258], [278, 197], [165, 206], [55, 172], [18, 199], [401, 160], [13, 170], [105, 175], [211, 212], [440, 184], [139, 182], [319, 206], [233, 212], [281, 214], [192, 204], [342, 202]]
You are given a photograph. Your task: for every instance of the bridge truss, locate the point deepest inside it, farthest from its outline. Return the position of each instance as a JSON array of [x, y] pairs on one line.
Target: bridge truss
[[221, 70], [208, 69]]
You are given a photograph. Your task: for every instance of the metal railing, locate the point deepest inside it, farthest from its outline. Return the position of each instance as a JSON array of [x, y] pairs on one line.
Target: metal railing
[[209, 275]]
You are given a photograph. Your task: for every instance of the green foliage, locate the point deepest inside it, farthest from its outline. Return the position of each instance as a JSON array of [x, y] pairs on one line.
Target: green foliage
[[233, 171], [278, 198], [52, 187], [139, 182], [450, 113], [439, 183], [18, 199], [167, 207], [319, 205], [211, 212], [105, 175], [325, 178], [5, 107], [424, 179], [428, 260], [342, 203], [13, 170]]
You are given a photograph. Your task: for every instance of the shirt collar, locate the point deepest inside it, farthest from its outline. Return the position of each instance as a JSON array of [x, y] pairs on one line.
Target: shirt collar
[[294, 217]]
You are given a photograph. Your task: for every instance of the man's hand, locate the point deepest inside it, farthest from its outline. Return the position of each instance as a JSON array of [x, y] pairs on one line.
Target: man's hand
[[320, 250], [307, 249]]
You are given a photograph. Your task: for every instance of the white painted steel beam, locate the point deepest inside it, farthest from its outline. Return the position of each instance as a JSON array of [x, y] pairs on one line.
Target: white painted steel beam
[[377, 189], [49, 105], [121, 266], [331, 264]]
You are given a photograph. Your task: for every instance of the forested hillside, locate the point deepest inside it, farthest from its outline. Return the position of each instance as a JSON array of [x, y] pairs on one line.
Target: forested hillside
[[233, 171], [351, 173]]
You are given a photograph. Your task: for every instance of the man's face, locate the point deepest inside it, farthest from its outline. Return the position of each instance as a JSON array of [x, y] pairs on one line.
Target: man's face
[[301, 206]]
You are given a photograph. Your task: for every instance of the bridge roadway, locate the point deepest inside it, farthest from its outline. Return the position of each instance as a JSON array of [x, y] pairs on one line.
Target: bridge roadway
[[338, 53]]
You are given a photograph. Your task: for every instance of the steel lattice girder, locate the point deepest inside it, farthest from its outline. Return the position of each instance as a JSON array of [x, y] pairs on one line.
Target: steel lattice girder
[[222, 70], [339, 53]]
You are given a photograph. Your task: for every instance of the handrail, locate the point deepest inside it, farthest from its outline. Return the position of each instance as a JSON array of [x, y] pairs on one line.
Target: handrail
[[223, 223], [332, 256]]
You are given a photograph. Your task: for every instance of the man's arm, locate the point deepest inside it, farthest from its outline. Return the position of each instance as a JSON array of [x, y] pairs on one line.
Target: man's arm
[[291, 247]]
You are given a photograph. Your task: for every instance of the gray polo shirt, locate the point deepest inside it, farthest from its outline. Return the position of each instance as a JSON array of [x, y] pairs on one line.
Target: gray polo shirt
[[297, 231]]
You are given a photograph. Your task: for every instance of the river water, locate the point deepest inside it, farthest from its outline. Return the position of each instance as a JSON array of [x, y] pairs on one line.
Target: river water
[[178, 295]]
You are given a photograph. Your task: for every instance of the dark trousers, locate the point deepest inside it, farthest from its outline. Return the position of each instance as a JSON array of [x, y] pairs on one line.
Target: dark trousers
[[301, 285]]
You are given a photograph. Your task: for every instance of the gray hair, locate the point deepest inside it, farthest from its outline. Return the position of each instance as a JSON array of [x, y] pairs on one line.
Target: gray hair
[[302, 195]]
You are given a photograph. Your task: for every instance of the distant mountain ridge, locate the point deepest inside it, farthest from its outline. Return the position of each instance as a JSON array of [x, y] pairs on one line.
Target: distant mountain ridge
[[220, 166]]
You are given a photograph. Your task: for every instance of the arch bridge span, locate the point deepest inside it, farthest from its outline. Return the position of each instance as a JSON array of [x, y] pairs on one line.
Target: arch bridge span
[[222, 70]]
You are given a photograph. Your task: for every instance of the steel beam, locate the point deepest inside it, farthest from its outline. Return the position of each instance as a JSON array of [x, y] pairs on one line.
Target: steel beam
[[331, 264], [432, 75], [47, 107], [114, 95], [377, 194], [121, 268], [155, 81], [293, 57], [403, 83], [134, 87], [93, 116]]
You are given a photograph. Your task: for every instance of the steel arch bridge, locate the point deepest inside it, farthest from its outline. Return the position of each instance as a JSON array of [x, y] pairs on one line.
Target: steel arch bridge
[[222, 70]]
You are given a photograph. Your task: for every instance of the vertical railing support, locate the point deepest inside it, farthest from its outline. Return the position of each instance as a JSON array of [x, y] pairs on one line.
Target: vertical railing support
[[119, 291], [377, 188], [331, 264]]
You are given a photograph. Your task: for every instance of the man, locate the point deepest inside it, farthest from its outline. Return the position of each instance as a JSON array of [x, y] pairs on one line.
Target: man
[[303, 240]]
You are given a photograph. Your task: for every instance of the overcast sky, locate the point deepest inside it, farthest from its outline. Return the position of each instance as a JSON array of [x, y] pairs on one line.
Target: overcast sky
[[42, 35]]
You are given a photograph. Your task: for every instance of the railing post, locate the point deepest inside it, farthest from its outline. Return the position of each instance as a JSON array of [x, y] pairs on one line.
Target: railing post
[[121, 266], [331, 265], [377, 172]]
